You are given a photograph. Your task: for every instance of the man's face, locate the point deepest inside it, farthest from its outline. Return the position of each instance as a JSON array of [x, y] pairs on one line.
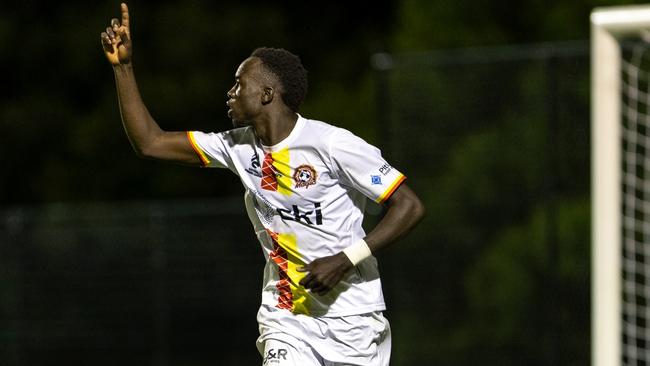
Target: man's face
[[245, 97]]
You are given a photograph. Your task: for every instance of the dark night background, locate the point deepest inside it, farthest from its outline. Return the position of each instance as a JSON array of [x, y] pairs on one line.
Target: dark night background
[[109, 259]]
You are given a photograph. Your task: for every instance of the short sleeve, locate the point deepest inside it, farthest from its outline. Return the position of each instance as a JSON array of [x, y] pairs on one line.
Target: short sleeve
[[361, 166], [212, 148]]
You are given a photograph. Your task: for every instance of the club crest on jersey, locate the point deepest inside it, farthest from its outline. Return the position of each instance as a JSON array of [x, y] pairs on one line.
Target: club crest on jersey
[[305, 176]]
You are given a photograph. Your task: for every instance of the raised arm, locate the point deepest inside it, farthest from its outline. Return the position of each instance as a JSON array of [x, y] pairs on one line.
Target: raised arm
[[146, 136]]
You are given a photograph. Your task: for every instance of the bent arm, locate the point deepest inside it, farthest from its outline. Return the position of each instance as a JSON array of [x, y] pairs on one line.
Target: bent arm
[[404, 211], [146, 136]]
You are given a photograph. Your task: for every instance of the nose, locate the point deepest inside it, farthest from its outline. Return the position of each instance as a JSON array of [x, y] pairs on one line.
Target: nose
[[231, 93]]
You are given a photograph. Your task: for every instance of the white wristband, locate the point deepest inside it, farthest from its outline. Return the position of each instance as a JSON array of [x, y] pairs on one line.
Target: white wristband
[[357, 252]]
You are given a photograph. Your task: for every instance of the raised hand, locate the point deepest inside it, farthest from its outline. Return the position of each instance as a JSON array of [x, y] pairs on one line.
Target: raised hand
[[116, 41]]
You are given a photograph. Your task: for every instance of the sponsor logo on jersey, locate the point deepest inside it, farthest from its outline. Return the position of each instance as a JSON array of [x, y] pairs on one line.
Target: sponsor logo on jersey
[[254, 168], [305, 176], [385, 169], [375, 179], [274, 356], [313, 217]]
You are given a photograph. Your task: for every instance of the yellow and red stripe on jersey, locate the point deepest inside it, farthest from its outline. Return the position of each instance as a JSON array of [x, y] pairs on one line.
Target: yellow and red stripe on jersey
[[291, 295], [391, 189], [204, 159], [276, 172]]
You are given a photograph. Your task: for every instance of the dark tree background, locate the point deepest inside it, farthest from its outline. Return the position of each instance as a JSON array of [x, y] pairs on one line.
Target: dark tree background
[[502, 260], [61, 137]]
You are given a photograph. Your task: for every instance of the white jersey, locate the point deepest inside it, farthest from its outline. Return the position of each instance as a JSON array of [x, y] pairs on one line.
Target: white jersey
[[305, 197]]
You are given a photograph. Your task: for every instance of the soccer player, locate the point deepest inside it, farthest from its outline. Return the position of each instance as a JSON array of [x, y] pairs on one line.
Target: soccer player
[[306, 184]]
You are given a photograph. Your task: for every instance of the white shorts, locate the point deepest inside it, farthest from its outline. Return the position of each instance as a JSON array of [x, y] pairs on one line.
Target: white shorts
[[288, 339]]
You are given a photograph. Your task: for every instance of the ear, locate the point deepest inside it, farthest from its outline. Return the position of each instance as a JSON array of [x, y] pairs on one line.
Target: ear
[[267, 95]]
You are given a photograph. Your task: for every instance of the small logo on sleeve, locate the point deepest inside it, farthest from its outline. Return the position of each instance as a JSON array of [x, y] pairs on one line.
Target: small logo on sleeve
[[305, 176], [385, 169], [375, 179]]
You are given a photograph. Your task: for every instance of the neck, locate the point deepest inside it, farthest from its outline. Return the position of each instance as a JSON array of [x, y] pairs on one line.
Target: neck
[[275, 128]]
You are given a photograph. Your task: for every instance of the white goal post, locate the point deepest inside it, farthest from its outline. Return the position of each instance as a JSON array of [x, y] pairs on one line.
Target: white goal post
[[608, 26]]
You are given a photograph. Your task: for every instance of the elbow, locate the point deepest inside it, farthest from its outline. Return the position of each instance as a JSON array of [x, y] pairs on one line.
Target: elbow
[[144, 148], [418, 210], [146, 144], [143, 151], [140, 151], [408, 204]]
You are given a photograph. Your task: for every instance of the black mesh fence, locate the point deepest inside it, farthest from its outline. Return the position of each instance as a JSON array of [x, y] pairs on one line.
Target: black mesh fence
[[497, 142], [158, 283]]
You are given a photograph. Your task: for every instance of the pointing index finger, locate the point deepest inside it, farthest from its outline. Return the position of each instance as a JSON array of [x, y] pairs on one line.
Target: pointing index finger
[[125, 15]]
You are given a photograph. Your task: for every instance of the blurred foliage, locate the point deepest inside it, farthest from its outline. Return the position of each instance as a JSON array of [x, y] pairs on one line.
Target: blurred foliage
[[496, 140], [62, 138], [502, 271], [424, 25], [58, 108]]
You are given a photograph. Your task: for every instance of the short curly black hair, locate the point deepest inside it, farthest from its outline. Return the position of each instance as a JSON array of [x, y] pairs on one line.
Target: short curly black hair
[[289, 70]]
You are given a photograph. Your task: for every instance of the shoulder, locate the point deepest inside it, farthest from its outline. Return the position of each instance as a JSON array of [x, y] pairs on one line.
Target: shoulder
[[241, 133], [326, 132], [234, 136], [315, 126]]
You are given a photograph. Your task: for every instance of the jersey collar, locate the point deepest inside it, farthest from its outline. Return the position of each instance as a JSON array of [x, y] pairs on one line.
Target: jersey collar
[[300, 123]]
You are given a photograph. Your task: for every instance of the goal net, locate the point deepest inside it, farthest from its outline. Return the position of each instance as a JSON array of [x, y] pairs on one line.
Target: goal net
[[621, 186]]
